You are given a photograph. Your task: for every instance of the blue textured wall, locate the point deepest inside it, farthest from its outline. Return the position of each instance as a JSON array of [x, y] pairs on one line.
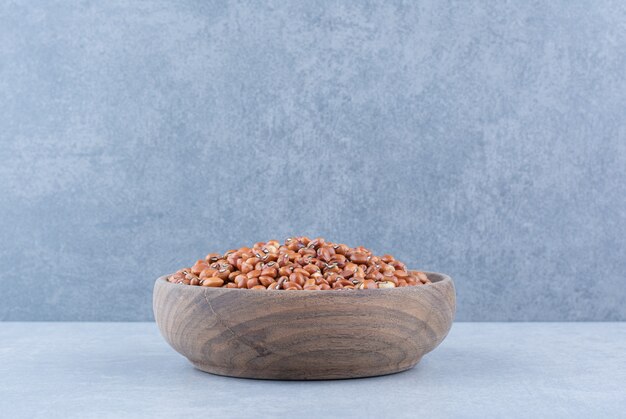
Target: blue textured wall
[[482, 139]]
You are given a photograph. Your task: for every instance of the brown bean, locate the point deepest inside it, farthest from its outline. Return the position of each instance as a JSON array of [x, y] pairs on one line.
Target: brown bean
[[324, 253], [252, 282], [207, 273], [290, 284], [399, 265], [176, 277], [312, 269], [223, 274], [246, 267], [241, 281], [344, 282], [213, 282], [359, 257], [341, 249], [282, 260], [393, 279], [297, 278], [369, 284], [266, 280], [254, 274], [332, 277], [212, 257], [388, 270], [387, 258], [198, 267], [350, 266]]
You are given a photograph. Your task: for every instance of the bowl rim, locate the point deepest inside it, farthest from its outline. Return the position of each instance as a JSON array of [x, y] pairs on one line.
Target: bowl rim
[[441, 280]]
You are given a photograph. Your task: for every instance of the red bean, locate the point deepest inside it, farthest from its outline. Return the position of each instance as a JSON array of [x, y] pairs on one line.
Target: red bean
[[299, 264]]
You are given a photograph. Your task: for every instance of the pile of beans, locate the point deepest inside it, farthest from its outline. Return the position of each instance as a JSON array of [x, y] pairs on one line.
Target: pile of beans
[[299, 264]]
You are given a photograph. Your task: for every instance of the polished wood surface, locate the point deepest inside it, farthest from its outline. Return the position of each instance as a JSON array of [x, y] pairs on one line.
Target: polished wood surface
[[304, 335]]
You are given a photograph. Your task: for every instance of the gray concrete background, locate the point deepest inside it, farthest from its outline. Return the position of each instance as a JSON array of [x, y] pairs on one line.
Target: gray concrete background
[[482, 139]]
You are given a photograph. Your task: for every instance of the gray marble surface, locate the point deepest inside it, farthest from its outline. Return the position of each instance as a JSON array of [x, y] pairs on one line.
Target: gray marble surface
[[483, 139], [504, 370]]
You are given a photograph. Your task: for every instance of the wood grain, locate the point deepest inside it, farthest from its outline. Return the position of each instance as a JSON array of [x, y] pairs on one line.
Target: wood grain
[[304, 335]]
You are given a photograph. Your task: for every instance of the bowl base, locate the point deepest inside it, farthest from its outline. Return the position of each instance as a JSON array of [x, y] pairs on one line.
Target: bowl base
[[301, 375]]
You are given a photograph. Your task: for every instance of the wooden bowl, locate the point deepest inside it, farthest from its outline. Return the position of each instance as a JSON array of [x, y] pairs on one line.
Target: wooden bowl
[[304, 335]]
